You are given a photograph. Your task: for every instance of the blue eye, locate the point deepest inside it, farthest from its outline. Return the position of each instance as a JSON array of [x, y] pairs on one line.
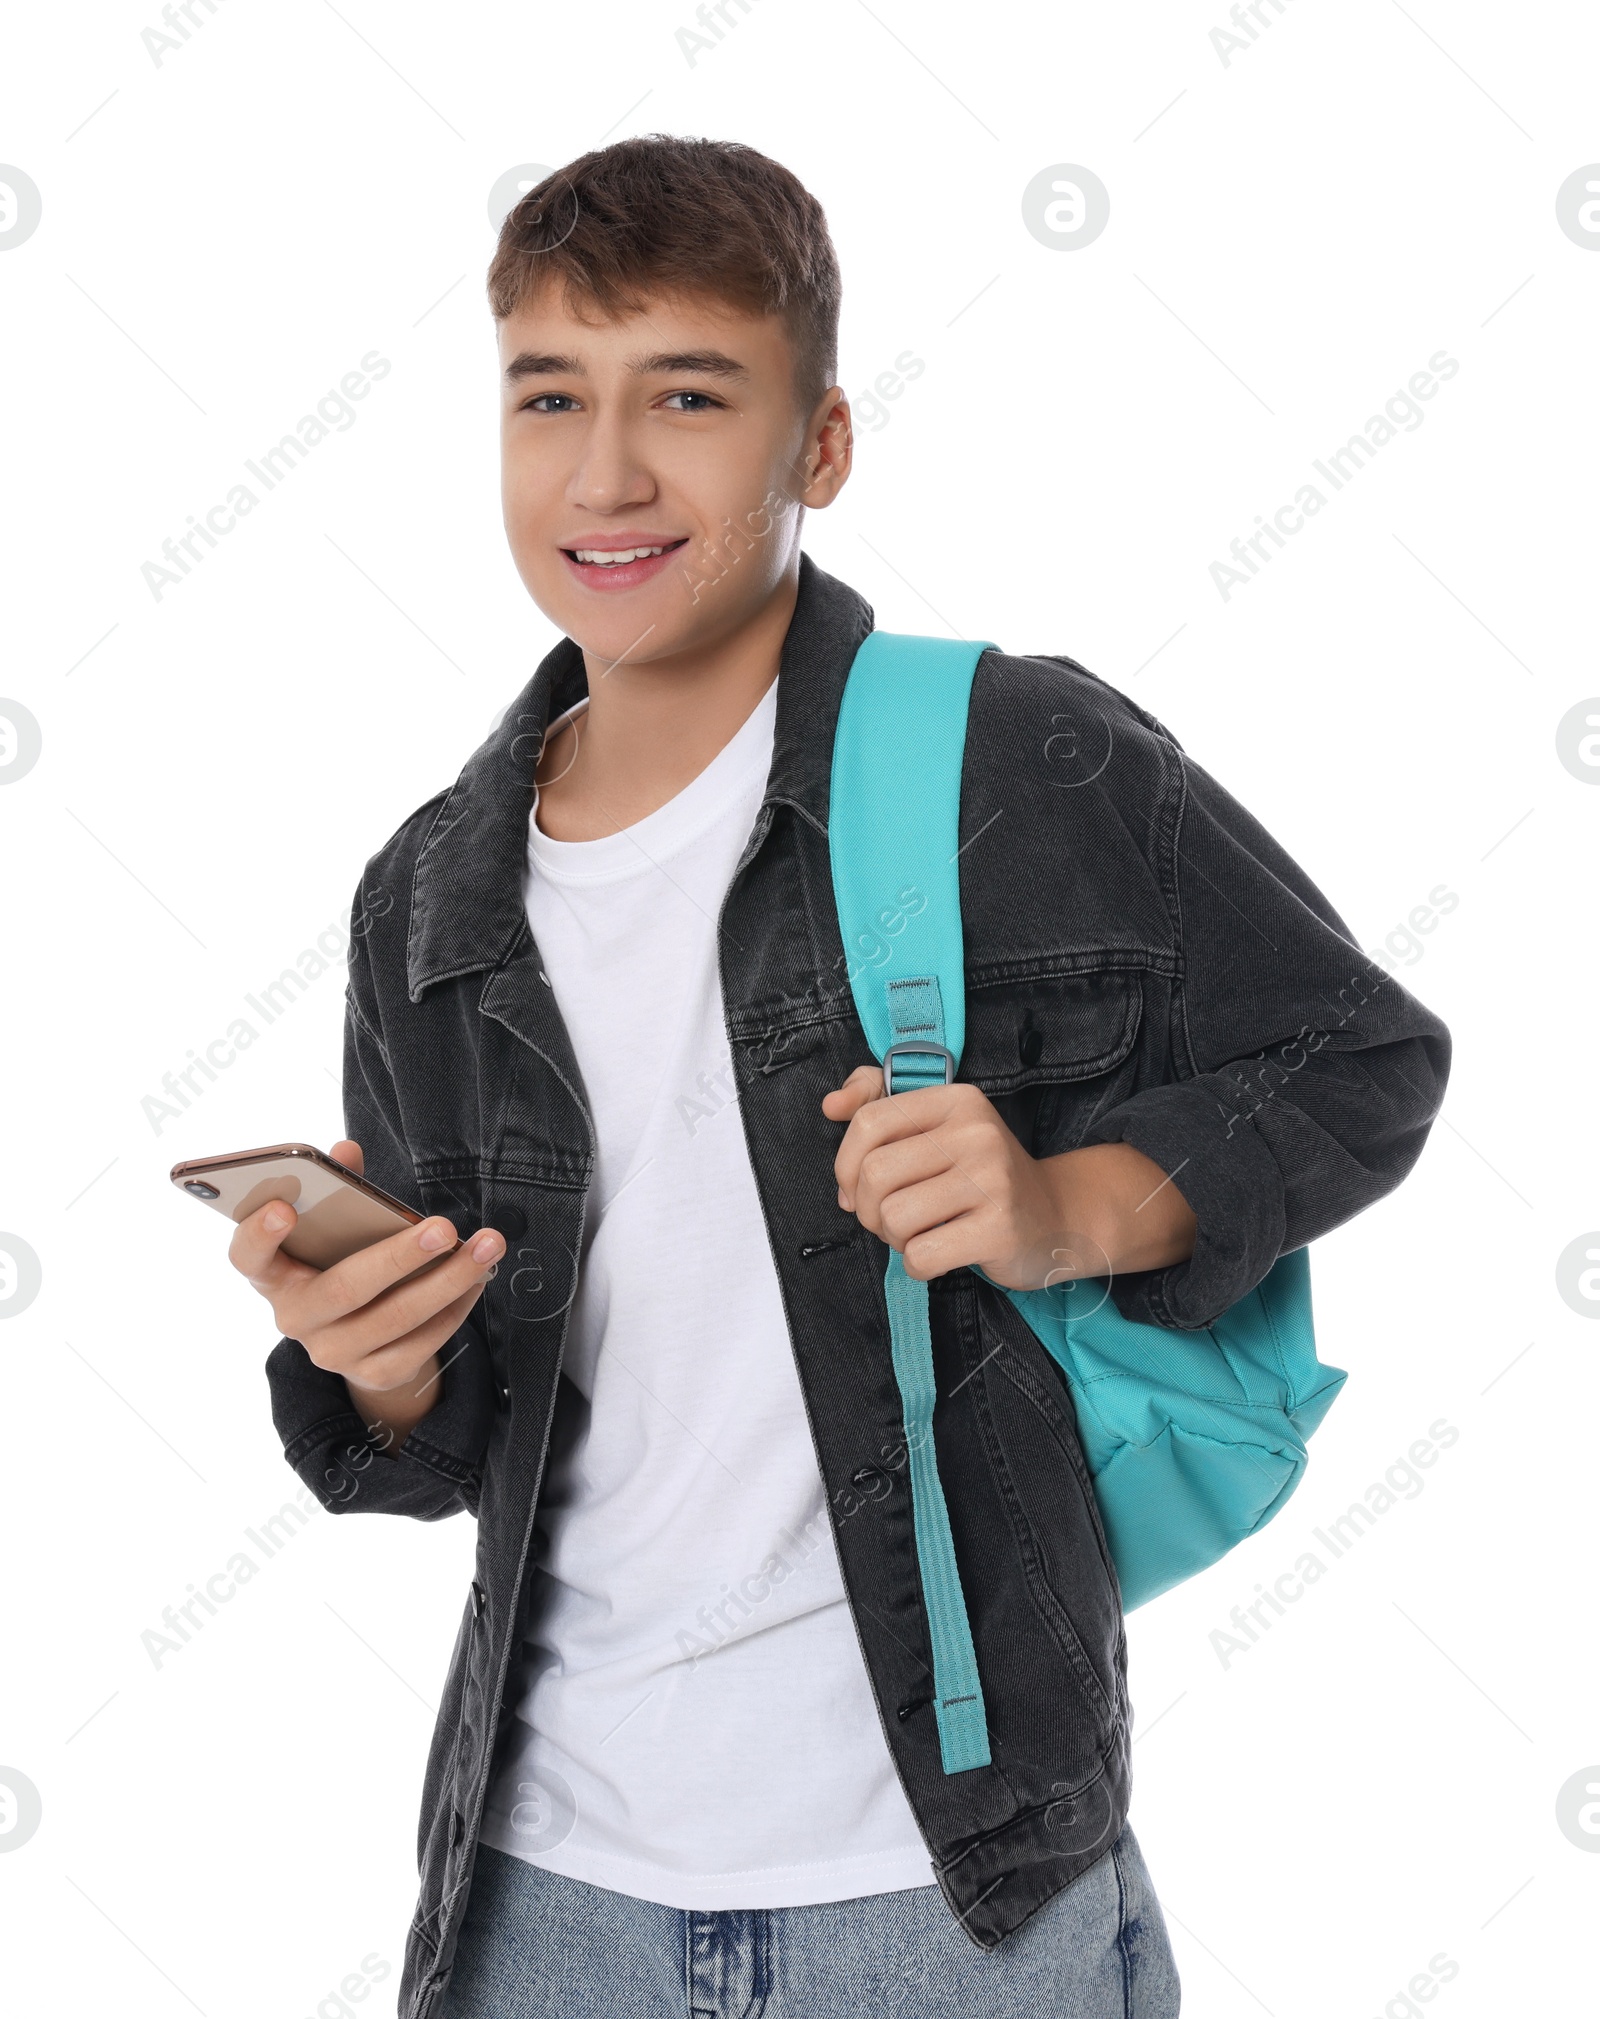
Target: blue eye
[[537, 403]]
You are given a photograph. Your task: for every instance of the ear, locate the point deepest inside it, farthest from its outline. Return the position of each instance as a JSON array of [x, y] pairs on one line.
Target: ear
[[827, 450]]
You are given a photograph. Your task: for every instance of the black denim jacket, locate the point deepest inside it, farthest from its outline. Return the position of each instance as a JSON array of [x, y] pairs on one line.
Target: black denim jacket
[[1144, 964]]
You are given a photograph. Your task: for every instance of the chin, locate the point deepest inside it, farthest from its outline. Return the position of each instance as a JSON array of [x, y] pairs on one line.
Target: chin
[[635, 635]]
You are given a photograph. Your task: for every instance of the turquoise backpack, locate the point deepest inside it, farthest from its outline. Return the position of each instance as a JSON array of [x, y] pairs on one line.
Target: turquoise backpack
[[1193, 1440]]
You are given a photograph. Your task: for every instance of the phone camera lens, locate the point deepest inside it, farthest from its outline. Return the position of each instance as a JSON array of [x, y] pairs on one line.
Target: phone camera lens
[[201, 1189]]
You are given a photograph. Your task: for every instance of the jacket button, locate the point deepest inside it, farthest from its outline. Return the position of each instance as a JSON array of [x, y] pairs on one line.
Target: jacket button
[[458, 1827], [502, 1396], [1030, 1043], [479, 1599]]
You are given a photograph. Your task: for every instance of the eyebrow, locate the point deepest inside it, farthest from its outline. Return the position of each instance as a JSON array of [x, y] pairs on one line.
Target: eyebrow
[[553, 364]]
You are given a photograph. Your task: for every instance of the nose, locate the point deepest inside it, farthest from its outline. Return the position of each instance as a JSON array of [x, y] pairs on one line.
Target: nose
[[609, 472]]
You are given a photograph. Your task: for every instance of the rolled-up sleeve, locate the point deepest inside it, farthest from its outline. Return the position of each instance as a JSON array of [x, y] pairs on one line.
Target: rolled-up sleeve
[[437, 1469], [1308, 1076]]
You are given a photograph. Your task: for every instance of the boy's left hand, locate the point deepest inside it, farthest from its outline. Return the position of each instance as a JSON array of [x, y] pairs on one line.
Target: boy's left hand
[[937, 1174]]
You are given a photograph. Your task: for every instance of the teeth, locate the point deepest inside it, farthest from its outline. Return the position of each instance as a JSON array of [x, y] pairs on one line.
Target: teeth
[[615, 559]]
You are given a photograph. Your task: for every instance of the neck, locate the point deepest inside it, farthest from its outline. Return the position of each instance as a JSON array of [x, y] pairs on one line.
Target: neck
[[653, 726]]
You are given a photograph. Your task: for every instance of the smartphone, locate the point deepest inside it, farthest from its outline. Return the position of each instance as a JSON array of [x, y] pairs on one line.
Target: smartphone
[[339, 1213]]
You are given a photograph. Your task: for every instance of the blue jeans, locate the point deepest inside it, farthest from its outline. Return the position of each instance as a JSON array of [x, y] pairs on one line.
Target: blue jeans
[[534, 1944]]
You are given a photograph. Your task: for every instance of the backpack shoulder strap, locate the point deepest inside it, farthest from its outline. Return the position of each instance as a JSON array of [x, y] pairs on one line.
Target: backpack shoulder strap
[[894, 814]]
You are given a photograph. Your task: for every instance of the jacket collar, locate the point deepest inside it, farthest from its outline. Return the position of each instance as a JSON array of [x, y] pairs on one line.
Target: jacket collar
[[467, 903]]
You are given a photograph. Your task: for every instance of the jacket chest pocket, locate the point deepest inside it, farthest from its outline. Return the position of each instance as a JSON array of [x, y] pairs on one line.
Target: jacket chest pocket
[[1062, 1045]]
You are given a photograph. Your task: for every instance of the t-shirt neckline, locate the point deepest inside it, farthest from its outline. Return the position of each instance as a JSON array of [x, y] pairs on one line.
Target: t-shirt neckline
[[684, 818]]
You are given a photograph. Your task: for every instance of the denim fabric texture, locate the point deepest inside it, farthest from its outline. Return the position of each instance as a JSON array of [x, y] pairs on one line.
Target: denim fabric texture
[[536, 1945], [1144, 964]]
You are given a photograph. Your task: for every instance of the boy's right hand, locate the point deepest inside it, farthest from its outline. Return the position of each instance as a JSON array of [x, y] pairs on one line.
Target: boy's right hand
[[357, 1319]]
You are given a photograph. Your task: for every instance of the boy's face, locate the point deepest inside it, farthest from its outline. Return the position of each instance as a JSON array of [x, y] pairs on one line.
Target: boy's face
[[673, 428]]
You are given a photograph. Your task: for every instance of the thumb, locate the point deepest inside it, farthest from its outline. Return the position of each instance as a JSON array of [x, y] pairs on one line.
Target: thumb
[[864, 1084]]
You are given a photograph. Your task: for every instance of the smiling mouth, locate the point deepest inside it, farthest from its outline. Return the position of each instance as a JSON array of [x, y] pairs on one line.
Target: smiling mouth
[[600, 557]]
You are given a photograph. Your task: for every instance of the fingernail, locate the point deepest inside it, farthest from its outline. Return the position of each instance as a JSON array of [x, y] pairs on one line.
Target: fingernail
[[844, 1202], [434, 1235], [272, 1219], [486, 1248]]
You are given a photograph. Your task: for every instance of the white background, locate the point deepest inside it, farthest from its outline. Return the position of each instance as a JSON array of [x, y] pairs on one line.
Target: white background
[[1293, 233]]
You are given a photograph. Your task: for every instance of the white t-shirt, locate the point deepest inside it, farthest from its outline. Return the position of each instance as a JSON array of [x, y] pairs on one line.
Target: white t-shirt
[[695, 1725]]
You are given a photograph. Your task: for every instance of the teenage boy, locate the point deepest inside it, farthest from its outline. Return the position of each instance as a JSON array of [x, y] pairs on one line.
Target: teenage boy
[[599, 1020]]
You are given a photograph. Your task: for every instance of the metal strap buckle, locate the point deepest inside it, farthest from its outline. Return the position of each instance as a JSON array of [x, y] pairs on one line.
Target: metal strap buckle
[[916, 1045]]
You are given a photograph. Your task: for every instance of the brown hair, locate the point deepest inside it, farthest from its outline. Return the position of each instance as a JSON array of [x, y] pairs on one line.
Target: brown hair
[[660, 214]]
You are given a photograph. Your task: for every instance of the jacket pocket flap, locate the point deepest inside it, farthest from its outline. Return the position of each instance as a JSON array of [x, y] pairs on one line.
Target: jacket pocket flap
[[1049, 1028]]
